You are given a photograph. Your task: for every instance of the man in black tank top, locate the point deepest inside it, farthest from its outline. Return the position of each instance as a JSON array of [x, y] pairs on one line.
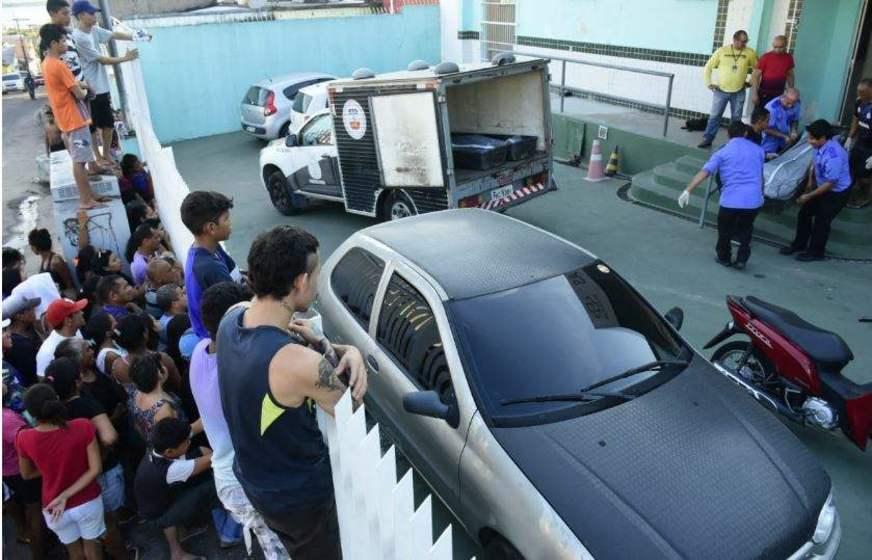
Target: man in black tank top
[[271, 381]]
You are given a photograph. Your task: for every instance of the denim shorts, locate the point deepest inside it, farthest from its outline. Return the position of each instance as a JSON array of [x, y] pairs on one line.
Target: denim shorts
[[112, 488]]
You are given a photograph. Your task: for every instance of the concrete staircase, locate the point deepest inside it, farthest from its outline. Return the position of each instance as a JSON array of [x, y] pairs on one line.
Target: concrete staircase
[[659, 188]]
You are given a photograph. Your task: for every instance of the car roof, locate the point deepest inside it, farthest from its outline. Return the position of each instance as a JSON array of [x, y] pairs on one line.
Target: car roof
[[315, 89], [287, 79], [473, 252]]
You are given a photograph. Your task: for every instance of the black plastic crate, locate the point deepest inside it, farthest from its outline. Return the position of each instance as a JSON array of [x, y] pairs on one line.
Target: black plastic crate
[[520, 146], [476, 151]]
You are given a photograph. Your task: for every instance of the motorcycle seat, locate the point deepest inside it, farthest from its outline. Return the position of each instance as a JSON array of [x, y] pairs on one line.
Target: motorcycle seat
[[823, 346]]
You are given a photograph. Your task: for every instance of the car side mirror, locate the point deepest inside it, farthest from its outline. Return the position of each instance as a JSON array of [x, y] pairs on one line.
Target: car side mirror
[[675, 316], [427, 403], [291, 140]]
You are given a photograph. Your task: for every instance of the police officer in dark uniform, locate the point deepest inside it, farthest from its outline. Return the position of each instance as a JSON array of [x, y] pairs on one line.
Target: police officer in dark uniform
[[859, 144]]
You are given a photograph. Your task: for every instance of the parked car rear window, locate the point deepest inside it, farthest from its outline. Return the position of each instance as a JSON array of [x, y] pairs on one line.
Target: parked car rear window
[[557, 336], [407, 330], [255, 96], [355, 281]]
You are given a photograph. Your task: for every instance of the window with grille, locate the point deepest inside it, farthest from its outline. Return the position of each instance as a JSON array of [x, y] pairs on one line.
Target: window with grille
[[497, 27], [407, 330]]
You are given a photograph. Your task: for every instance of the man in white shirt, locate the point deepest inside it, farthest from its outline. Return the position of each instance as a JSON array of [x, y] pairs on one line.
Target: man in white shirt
[[88, 38], [65, 318]]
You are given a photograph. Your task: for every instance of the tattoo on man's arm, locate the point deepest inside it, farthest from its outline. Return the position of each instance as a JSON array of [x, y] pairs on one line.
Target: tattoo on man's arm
[[327, 378]]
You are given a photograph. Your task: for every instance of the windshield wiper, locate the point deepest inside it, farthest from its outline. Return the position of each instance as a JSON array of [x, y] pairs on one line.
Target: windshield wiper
[[568, 397], [650, 366]]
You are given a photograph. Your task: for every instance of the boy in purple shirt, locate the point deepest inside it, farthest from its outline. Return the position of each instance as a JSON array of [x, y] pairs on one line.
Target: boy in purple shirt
[[826, 193], [740, 164], [207, 215]]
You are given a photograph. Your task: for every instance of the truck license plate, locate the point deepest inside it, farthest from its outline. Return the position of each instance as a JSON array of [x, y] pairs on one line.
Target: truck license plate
[[502, 192]]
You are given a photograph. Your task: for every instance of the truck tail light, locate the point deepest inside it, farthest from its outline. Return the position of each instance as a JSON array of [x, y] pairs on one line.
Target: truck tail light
[[269, 107]]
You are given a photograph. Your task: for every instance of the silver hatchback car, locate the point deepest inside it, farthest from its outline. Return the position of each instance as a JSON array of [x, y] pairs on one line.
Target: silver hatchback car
[[266, 108], [553, 410]]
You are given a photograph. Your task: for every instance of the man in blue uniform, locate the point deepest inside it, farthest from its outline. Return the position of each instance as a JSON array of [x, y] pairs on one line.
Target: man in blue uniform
[[740, 164], [829, 182], [859, 144], [784, 113]]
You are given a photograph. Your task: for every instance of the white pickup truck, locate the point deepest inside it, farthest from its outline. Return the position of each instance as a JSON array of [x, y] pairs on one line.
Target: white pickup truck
[[420, 140]]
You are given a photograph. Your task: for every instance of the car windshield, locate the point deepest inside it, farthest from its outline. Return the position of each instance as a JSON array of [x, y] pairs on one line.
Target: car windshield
[[557, 336], [10, 77], [255, 96]]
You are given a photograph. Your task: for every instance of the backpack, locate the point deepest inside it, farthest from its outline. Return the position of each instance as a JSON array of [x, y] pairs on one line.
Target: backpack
[[695, 124]]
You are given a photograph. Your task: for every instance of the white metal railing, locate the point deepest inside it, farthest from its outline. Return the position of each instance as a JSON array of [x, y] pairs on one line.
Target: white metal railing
[[563, 88], [377, 518]]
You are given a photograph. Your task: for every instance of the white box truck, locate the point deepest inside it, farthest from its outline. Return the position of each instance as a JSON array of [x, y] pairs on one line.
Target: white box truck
[[421, 140]]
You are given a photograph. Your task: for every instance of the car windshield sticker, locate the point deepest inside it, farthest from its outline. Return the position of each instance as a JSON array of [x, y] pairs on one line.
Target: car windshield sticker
[[594, 299], [354, 119]]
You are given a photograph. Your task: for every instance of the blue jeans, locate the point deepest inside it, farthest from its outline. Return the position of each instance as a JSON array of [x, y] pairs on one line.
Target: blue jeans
[[719, 103]]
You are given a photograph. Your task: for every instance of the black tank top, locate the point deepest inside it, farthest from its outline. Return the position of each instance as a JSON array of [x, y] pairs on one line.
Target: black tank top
[[281, 459]]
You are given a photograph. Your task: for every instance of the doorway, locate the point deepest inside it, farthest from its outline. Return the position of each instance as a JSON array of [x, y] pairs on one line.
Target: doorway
[[862, 64]]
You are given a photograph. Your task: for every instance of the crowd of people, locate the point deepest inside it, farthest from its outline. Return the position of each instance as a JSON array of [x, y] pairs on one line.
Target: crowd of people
[[839, 174], [176, 397]]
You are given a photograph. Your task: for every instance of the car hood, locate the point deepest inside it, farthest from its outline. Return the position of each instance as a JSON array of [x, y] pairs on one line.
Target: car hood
[[693, 469]]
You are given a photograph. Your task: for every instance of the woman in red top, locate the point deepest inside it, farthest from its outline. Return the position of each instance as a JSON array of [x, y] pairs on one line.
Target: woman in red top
[[67, 456]]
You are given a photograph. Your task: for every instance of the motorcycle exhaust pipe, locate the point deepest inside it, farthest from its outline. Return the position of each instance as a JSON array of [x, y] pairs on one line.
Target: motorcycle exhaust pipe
[[763, 398]]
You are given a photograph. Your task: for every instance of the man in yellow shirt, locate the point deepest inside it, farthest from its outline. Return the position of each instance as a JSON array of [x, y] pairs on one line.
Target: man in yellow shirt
[[734, 62]]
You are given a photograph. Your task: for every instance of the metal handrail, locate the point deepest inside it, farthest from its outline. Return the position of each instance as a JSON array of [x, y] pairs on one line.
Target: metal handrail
[[563, 89]]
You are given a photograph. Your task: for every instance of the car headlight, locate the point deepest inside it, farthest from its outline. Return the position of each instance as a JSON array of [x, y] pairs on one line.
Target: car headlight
[[826, 522]]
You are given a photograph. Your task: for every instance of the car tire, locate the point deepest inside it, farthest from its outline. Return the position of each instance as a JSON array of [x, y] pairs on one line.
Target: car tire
[[280, 193], [398, 205], [283, 131], [498, 548]]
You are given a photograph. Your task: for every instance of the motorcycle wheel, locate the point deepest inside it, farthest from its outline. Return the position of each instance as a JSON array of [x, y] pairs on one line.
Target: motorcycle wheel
[[731, 354]]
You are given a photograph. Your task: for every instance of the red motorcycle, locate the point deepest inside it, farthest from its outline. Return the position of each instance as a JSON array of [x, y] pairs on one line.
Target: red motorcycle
[[794, 368]]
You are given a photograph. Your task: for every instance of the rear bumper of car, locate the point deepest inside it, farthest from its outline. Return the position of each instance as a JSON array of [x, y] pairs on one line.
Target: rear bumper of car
[[254, 130], [266, 130]]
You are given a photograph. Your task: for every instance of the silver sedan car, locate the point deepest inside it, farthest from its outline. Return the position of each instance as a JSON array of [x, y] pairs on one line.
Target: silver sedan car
[[553, 410]]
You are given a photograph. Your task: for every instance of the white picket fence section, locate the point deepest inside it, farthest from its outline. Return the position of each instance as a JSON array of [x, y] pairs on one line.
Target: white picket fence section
[[377, 518], [170, 187]]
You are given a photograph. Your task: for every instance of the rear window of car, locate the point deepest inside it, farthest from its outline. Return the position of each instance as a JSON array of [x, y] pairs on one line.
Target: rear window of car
[[255, 96], [355, 281]]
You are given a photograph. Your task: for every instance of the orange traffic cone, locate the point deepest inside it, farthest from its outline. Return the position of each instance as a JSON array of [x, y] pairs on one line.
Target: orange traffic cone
[[595, 172]]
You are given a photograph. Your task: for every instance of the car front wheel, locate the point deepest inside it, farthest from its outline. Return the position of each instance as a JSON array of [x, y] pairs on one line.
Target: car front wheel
[[280, 194]]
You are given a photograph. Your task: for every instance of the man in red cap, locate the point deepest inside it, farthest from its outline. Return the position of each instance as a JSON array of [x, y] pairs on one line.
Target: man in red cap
[[64, 316]]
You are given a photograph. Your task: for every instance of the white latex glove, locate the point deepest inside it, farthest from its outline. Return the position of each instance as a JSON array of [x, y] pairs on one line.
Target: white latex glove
[[869, 163], [684, 198]]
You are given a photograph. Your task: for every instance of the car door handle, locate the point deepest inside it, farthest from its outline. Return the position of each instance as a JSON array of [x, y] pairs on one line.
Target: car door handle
[[373, 363]]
